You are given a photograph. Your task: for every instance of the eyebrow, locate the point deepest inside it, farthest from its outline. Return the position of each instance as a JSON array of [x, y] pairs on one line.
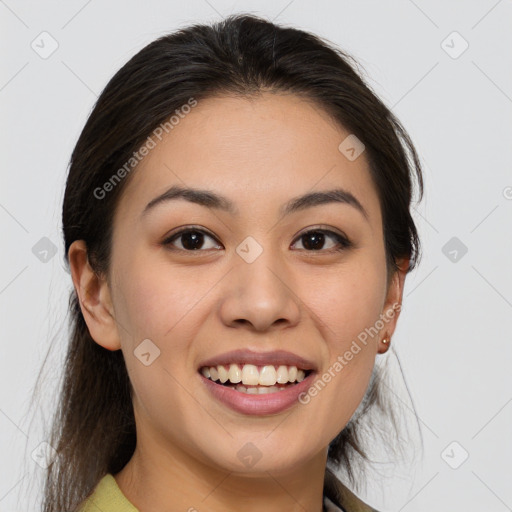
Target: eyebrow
[[216, 201]]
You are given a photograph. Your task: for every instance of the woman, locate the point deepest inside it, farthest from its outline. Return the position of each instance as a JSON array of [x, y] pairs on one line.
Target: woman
[[237, 226]]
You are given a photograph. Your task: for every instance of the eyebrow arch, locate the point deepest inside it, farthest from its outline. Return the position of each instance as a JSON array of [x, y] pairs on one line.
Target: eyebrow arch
[[194, 195], [337, 195], [216, 201]]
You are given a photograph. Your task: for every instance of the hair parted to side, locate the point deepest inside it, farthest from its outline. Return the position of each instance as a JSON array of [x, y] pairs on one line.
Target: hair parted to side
[[93, 429]]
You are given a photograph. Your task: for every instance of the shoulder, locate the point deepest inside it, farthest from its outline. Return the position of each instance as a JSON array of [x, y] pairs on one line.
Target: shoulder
[[107, 497], [342, 496]]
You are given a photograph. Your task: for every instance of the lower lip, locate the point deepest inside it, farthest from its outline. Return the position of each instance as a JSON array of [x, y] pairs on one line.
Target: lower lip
[[268, 403]]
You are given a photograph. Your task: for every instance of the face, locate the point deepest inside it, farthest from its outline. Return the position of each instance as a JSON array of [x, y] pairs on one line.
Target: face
[[198, 277]]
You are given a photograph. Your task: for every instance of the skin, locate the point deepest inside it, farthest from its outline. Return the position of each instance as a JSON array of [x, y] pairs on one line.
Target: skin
[[260, 153]]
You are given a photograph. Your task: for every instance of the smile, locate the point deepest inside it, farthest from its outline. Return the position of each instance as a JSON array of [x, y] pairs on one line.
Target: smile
[[253, 379]]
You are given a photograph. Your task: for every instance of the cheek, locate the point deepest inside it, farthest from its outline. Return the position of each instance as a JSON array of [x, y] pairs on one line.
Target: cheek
[[344, 304], [347, 302], [163, 307], [154, 301]]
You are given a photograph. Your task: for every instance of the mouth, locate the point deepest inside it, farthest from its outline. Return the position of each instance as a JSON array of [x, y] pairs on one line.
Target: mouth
[[252, 379]]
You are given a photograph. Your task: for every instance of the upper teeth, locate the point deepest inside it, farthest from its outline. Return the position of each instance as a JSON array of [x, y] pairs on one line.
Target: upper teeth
[[250, 374]]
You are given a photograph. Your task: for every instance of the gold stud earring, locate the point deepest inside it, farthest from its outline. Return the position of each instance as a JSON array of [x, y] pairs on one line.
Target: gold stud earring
[[385, 341]]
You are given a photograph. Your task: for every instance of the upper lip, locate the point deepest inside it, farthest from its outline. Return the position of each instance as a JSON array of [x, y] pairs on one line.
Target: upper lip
[[276, 358]]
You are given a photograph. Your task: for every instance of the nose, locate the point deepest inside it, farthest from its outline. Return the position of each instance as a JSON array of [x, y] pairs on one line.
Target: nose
[[260, 295]]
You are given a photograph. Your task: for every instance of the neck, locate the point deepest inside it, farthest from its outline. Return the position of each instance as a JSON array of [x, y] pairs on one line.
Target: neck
[[159, 479]]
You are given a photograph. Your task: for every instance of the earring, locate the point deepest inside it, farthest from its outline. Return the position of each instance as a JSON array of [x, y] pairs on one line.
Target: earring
[[385, 341]]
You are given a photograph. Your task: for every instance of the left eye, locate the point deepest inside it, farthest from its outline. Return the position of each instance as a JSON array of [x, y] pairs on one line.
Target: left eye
[[315, 239], [191, 240]]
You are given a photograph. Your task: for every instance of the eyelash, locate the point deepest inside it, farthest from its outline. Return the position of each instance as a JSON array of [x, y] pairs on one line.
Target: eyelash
[[343, 241]]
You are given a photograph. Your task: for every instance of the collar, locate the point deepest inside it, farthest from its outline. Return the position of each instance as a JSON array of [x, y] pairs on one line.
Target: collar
[[329, 506]]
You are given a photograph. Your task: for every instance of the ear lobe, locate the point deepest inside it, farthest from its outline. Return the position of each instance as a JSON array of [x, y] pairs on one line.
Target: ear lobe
[[94, 297]]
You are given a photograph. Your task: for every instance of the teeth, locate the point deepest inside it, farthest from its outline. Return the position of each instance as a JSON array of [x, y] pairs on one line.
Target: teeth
[[282, 375], [235, 374], [258, 390], [223, 374], [252, 375], [268, 376], [214, 374]]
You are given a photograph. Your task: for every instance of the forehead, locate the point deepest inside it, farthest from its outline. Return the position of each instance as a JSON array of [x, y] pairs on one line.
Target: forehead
[[254, 150]]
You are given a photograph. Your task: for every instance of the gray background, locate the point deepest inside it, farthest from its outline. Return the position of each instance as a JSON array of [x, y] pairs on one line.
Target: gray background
[[453, 338]]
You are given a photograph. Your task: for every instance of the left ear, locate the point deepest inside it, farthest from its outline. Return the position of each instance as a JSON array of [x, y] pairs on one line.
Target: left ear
[[393, 303]]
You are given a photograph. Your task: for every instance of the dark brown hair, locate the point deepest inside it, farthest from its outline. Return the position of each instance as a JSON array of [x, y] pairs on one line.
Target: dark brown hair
[[93, 429]]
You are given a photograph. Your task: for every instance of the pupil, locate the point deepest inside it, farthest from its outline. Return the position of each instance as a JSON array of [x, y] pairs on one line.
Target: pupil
[[192, 240], [314, 240]]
